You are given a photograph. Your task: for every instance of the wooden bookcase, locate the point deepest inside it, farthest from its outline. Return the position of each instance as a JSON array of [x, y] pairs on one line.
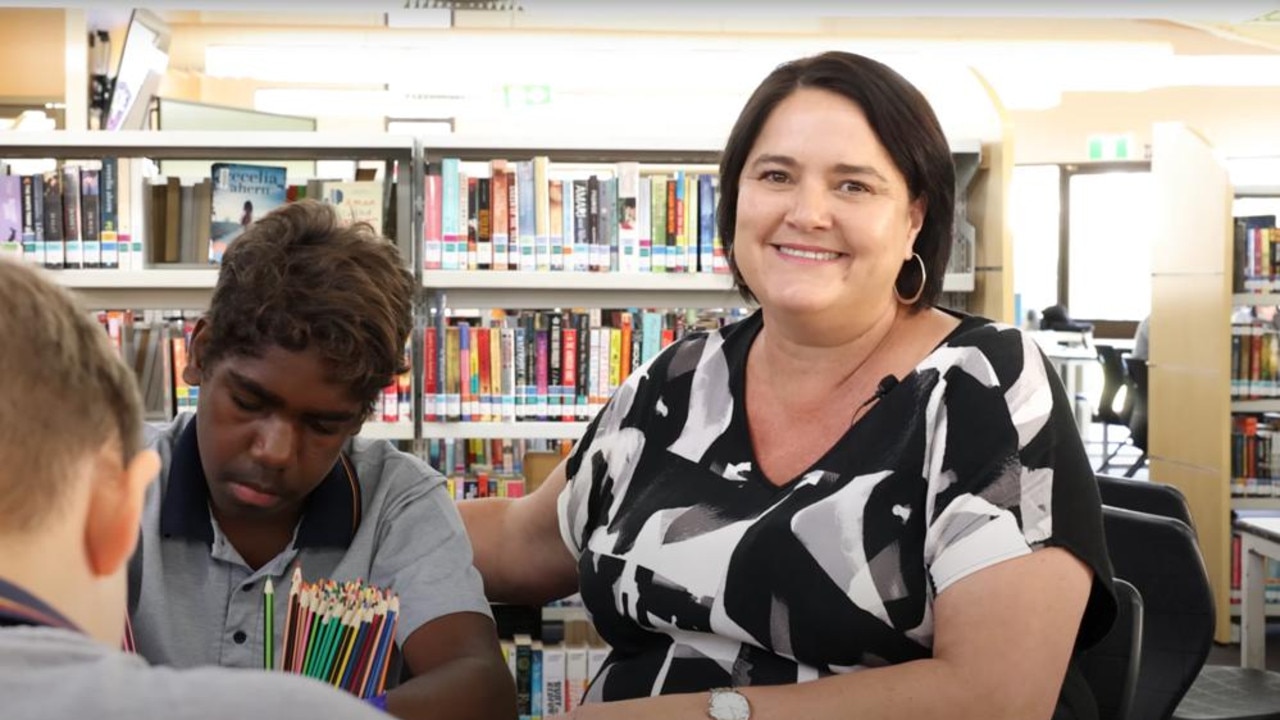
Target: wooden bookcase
[[1190, 356]]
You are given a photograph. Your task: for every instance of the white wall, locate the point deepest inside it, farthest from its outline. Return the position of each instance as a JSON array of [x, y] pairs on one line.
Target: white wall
[[1238, 122]]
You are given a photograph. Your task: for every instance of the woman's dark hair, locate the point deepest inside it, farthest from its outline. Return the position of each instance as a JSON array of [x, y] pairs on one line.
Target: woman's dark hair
[[902, 120], [299, 279]]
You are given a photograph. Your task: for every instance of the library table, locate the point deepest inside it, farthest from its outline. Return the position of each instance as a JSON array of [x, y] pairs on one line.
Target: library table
[[1259, 540]]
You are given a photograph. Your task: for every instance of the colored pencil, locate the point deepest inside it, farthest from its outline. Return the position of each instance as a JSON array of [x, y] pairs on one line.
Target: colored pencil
[[268, 620], [341, 634]]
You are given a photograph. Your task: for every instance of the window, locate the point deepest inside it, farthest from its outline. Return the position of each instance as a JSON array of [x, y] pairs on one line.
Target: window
[[1034, 216], [1110, 237]]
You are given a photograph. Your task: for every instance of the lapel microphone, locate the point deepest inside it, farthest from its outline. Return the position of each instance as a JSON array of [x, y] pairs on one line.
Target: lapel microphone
[[887, 383]]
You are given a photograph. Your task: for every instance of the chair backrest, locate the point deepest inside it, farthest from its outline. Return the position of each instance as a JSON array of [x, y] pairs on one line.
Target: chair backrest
[[1145, 496], [1137, 369], [1159, 556], [1114, 378], [1113, 665]]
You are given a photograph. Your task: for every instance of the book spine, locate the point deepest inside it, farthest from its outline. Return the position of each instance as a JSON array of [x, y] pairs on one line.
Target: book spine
[[553, 686], [555, 192], [54, 249], [471, 257], [628, 197], [658, 222], [500, 211], [495, 372], [451, 204], [599, 251], [110, 211], [526, 218], [542, 214], [582, 251], [706, 224], [509, 374], [430, 375], [644, 218], [484, 224], [90, 214], [434, 210], [554, 357], [72, 227], [32, 251]]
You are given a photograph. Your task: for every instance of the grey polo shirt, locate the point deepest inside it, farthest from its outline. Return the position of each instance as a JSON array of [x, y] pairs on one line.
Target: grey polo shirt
[[57, 673], [391, 524]]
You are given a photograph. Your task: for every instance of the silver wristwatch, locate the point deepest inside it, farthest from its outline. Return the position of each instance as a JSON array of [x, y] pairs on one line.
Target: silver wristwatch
[[728, 704]]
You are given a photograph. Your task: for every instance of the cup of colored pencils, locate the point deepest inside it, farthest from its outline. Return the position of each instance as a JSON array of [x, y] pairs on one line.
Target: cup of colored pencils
[[341, 634]]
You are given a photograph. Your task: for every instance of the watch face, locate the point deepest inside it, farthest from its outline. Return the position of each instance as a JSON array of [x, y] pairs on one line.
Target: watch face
[[729, 705]]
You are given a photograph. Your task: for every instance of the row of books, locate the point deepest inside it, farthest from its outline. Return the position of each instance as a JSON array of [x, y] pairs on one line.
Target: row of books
[[1256, 254], [1255, 361], [495, 457], [550, 679], [118, 213], [154, 343], [540, 364], [1255, 455], [530, 215], [66, 217]]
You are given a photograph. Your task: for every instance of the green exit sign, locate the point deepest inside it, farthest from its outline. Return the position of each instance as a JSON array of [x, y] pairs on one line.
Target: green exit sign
[[1112, 147], [521, 95]]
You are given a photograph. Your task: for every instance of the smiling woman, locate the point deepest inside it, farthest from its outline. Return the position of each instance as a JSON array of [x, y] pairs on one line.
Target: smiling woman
[[849, 479]]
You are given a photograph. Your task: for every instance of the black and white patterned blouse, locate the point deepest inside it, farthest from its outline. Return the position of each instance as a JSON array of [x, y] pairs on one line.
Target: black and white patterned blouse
[[700, 573]]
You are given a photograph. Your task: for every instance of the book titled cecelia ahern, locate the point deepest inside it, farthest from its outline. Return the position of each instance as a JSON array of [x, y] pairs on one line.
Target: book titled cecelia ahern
[[241, 194]]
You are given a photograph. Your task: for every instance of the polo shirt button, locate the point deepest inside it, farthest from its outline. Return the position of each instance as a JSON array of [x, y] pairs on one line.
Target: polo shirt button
[[239, 637], [246, 587]]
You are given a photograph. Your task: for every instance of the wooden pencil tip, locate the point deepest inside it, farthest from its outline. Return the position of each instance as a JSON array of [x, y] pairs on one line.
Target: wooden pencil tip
[[270, 588]]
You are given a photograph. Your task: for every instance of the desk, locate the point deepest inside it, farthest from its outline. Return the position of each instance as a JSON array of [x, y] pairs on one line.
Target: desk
[[1259, 540], [1070, 353]]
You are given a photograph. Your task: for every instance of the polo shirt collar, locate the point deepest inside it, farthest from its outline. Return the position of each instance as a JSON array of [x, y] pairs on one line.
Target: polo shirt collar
[[330, 515], [19, 607]]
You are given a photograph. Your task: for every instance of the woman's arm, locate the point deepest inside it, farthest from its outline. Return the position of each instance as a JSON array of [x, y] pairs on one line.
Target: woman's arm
[[518, 547], [1003, 638]]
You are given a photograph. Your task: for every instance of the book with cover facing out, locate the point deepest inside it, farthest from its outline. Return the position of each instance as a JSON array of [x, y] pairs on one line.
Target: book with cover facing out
[[241, 194], [11, 215]]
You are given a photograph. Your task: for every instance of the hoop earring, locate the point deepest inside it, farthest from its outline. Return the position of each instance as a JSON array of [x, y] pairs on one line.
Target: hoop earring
[[924, 276]]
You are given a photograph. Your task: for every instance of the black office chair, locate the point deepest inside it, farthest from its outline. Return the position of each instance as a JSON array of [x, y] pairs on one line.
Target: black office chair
[[1219, 692], [1115, 404], [1145, 496], [1159, 556], [1112, 666], [1137, 371]]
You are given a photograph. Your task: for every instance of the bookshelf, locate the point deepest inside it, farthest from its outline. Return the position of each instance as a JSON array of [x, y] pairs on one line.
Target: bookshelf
[[147, 287], [150, 289], [388, 430], [982, 169], [1190, 362], [519, 430], [982, 175], [213, 146]]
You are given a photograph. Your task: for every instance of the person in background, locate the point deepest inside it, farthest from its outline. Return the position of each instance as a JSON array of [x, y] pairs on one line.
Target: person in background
[[850, 479], [73, 474], [1142, 340], [307, 325]]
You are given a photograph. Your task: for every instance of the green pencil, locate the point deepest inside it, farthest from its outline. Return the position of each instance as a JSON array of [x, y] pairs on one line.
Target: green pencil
[[269, 616]]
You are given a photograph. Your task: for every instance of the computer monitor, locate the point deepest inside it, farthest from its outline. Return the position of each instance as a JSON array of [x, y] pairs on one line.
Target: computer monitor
[[142, 63]]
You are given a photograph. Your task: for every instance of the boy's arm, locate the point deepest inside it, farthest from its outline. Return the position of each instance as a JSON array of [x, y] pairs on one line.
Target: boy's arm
[[458, 672], [447, 637]]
